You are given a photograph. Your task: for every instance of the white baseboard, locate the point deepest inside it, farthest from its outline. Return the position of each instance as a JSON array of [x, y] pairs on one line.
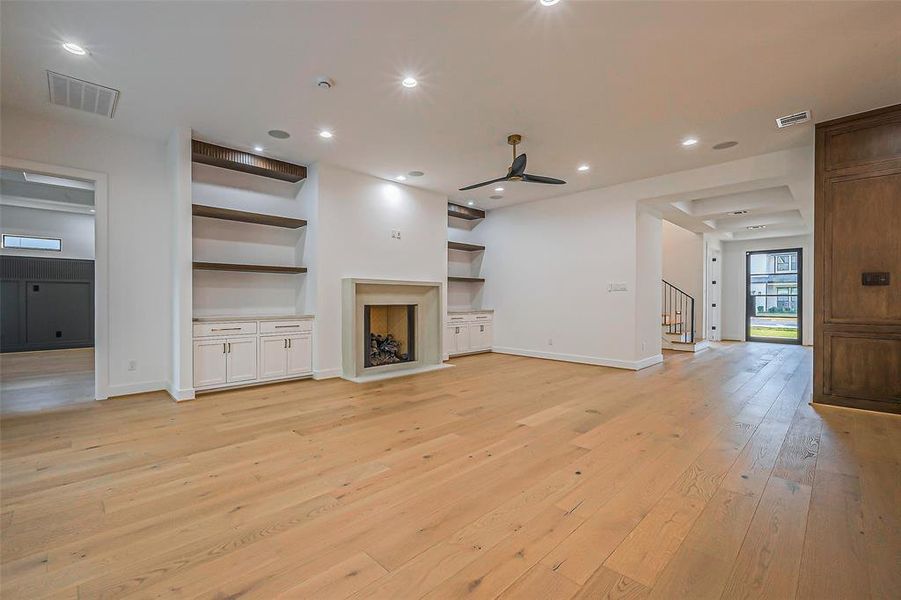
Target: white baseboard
[[180, 395], [327, 374], [632, 365], [126, 389]]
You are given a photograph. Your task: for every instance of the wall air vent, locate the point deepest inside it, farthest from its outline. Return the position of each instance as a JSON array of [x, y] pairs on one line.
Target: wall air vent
[[801, 117], [82, 95]]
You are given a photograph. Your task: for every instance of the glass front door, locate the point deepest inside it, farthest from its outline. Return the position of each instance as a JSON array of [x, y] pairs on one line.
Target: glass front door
[[774, 296]]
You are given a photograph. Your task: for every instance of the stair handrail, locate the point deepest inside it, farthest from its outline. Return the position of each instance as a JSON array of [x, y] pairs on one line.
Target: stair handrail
[[678, 328]]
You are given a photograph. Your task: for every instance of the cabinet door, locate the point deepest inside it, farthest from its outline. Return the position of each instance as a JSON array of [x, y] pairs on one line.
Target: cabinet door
[[300, 354], [463, 342], [273, 357], [209, 362], [450, 339], [242, 359], [480, 336]]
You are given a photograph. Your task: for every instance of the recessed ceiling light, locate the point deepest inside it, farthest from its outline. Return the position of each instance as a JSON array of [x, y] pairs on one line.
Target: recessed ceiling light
[[689, 142], [325, 133], [279, 134], [257, 148], [496, 197], [583, 167], [409, 82], [724, 145], [549, 2], [74, 49], [415, 173], [498, 189], [752, 227], [93, 211], [401, 178], [470, 203]]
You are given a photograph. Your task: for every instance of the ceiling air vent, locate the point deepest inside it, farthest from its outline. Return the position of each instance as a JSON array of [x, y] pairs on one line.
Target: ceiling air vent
[[801, 117], [82, 95]]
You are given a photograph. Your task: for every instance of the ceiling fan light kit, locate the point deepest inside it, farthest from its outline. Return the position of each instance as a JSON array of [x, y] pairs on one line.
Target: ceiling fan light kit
[[517, 170]]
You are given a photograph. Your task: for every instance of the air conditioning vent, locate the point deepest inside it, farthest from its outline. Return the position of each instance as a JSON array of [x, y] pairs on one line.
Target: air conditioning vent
[[82, 95], [801, 117]]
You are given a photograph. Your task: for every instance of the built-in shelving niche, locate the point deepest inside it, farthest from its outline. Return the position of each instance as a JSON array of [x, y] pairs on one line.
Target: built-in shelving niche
[[464, 259], [247, 261]]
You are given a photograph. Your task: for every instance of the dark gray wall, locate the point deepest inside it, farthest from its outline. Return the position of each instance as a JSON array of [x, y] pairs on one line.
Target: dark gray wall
[[46, 303]]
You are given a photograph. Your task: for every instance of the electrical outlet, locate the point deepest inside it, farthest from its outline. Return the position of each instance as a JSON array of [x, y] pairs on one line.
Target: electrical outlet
[[617, 287], [643, 346], [395, 234], [550, 342], [132, 365]]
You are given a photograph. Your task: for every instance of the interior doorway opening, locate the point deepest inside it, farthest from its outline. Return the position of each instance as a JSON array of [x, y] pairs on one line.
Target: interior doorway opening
[[49, 287], [774, 291]]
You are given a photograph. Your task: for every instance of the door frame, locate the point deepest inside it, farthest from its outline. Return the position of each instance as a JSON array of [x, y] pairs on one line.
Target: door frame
[[748, 337], [101, 259]]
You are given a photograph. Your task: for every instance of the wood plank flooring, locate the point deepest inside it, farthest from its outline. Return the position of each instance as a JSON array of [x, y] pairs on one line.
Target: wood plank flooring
[[46, 379], [709, 476]]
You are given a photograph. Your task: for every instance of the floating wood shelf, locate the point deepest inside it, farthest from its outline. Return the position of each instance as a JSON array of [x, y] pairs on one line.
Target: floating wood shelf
[[245, 162], [468, 279], [228, 214], [209, 266], [464, 212], [464, 247]]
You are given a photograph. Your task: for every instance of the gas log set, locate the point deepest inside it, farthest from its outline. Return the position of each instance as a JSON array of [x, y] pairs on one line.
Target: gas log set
[[385, 350]]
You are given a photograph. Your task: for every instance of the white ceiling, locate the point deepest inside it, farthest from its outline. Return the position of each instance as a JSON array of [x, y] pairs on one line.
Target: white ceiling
[[15, 190], [617, 85]]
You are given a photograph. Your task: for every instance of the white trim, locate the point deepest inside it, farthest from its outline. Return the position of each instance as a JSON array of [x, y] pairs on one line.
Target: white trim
[[326, 374], [127, 389], [400, 373], [632, 365], [101, 262], [180, 395]]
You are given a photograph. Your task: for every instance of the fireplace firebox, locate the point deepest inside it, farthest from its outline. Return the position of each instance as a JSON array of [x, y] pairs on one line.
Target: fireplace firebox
[[389, 334]]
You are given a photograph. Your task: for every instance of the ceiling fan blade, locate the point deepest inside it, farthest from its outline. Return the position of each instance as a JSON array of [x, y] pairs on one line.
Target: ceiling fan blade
[[541, 179], [484, 183], [518, 167]]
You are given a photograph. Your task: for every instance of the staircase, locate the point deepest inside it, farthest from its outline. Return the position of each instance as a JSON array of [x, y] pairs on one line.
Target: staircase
[[678, 320]]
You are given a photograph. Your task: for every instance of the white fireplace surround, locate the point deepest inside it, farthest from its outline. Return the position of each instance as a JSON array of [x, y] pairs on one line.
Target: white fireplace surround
[[425, 295]]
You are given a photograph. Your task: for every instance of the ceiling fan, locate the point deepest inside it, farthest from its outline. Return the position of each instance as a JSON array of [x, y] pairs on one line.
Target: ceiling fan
[[517, 170]]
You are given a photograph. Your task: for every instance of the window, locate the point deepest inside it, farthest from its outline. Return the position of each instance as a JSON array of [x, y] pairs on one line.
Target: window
[[786, 263], [23, 242]]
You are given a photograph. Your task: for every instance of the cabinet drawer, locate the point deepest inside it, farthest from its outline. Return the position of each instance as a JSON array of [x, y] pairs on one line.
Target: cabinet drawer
[[211, 329], [457, 318], [267, 327]]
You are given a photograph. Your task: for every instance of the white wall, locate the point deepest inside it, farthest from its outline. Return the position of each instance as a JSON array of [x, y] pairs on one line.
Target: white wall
[[683, 266], [547, 272], [734, 282], [140, 235], [76, 230], [356, 214], [648, 271]]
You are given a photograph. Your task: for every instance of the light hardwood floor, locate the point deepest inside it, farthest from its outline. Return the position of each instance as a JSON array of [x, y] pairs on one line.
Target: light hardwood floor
[[709, 476], [32, 381]]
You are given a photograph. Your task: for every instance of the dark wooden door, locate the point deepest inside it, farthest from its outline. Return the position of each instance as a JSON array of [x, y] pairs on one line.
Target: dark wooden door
[[857, 257]]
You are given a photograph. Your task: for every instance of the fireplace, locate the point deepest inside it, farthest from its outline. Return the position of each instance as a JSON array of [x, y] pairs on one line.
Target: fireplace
[[389, 334], [404, 318]]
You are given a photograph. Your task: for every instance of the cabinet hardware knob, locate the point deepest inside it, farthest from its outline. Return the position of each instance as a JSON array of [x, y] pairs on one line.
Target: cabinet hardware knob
[[229, 348], [286, 326], [226, 329], [223, 347]]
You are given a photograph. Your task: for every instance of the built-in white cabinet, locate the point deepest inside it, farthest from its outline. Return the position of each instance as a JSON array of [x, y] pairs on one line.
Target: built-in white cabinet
[[284, 356], [468, 332], [238, 353], [224, 360]]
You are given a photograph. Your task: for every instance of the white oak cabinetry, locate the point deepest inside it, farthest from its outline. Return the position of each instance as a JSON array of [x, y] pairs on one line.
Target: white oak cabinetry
[[232, 352], [469, 332]]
